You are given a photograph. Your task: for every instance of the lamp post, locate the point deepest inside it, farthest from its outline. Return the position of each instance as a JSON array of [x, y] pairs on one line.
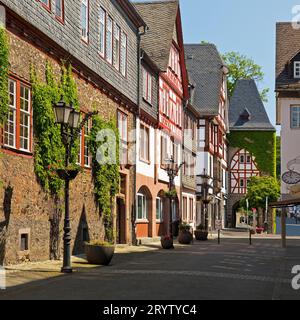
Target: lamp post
[[204, 195], [69, 120], [172, 170]]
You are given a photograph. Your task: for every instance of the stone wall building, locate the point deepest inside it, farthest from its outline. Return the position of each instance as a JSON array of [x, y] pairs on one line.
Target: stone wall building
[[104, 57]]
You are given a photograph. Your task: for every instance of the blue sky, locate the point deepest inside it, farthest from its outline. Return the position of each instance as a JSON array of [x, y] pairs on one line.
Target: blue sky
[[239, 25]]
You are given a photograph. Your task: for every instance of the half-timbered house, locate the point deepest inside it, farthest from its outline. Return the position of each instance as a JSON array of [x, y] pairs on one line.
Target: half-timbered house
[[163, 44], [209, 96]]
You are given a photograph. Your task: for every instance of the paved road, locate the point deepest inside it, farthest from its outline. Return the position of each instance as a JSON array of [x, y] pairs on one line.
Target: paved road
[[232, 270]]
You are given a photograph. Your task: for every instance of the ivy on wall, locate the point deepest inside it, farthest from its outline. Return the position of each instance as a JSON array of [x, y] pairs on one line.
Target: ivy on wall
[[261, 144], [4, 65], [49, 150], [106, 176]]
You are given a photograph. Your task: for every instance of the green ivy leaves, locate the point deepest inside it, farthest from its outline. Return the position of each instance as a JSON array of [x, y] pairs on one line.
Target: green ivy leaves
[[262, 145], [106, 176], [4, 65], [49, 149]]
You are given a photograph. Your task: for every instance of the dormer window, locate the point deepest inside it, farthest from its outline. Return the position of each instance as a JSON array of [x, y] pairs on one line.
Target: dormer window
[[297, 69]]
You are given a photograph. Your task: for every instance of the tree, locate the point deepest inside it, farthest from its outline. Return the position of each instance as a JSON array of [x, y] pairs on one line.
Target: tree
[[259, 189], [242, 67]]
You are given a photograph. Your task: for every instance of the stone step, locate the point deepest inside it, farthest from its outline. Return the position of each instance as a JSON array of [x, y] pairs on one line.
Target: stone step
[[144, 241]]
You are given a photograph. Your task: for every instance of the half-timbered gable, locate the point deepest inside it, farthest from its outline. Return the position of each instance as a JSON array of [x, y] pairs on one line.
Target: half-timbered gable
[[242, 168]]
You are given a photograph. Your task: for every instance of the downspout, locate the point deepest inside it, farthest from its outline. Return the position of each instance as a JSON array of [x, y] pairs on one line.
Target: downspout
[[137, 115]]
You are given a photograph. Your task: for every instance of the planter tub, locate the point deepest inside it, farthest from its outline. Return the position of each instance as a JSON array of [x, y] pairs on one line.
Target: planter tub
[[99, 255], [167, 244], [67, 174], [201, 235], [185, 237]]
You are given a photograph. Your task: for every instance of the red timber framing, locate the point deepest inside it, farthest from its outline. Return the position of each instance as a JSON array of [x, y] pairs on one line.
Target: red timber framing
[[173, 88], [242, 168]]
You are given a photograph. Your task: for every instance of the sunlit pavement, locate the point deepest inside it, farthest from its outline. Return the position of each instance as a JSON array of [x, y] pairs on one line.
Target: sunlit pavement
[[204, 270]]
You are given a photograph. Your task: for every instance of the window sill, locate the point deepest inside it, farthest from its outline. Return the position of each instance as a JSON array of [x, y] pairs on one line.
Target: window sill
[[60, 20], [17, 152], [148, 162], [142, 221], [147, 102]]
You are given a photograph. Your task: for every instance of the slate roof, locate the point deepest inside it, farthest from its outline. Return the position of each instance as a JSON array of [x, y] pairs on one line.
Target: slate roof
[[205, 67], [160, 17], [246, 100], [287, 47]]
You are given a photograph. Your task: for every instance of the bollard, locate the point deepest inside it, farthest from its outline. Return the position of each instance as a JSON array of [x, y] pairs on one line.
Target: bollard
[[250, 237], [219, 236]]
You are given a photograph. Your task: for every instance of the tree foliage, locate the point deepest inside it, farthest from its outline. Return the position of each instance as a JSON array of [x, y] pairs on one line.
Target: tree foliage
[[242, 67], [259, 189], [4, 65]]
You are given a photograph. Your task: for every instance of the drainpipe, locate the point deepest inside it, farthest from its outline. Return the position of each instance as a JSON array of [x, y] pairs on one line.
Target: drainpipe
[[136, 117]]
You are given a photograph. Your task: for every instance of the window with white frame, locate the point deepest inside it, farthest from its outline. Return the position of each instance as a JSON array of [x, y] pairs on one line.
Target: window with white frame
[[10, 125], [296, 69], [123, 132], [117, 48], [159, 209], [141, 207], [124, 54], [109, 39], [85, 20], [164, 150], [144, 143], [17, 129], [84, 155], [24, 118], [47, 3], [295, 117], [59, 9], [147, 86], [102, 31]]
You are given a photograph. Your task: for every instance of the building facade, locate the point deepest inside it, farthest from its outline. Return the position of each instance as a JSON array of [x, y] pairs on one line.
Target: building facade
[[287, 97], [163, 45], [100, 40], [251, 142], [208, 74]]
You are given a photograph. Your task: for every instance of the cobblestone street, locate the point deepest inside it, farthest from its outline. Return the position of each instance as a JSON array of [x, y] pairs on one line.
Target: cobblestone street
[[231, 270]]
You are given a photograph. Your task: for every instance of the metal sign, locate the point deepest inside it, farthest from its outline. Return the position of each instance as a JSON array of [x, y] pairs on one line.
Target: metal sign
[[291, 177], [218, 224]]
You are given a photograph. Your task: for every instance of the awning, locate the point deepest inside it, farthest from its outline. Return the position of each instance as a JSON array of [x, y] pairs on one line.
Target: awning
[[285, 203]]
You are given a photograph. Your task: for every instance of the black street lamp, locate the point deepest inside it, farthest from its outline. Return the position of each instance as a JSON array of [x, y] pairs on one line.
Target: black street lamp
[[172, 170], [69, 120], [204, 194]]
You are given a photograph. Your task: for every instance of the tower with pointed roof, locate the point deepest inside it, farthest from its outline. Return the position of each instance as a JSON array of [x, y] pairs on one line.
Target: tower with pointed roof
[[252, 144]]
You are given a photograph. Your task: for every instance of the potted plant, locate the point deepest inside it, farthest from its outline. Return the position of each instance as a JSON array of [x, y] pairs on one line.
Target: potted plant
[[65, 173], [185, 235], [99, 252], [167, 242], [259, 230], [201, 234]]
